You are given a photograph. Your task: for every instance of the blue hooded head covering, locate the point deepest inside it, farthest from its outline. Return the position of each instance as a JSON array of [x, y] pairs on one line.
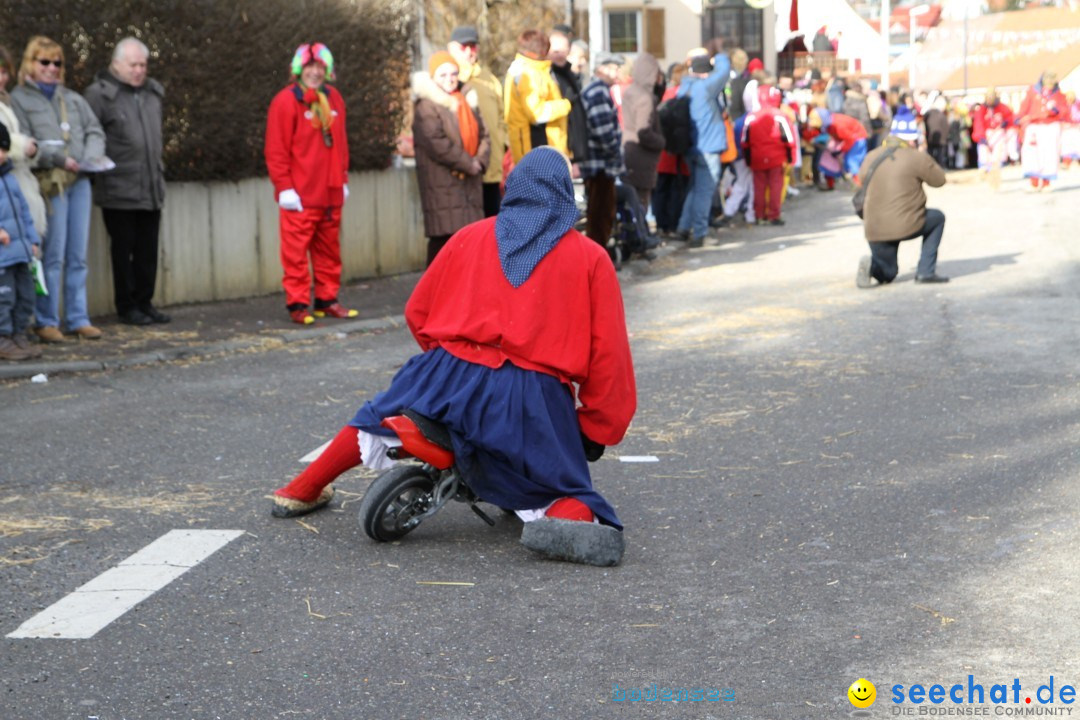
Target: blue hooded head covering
[[537, 210]]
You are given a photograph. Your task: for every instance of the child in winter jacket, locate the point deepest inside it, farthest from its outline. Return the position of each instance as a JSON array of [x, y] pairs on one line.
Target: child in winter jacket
[[769, 142], [19, 245]]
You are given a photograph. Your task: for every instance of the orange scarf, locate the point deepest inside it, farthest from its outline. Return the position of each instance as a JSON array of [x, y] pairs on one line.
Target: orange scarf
[[322, 117], [470, 130]]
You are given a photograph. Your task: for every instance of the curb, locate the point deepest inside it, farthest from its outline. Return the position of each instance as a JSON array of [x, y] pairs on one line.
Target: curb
[[16, 372]]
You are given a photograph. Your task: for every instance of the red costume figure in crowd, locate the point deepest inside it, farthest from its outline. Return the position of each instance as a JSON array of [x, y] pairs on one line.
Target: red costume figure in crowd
[[769, 141], [1040, 116], [307, 156]]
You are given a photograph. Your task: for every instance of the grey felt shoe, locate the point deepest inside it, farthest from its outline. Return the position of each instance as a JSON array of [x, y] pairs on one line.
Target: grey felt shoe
[[574, 541]]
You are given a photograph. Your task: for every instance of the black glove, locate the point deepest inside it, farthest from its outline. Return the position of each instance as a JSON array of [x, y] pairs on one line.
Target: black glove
[[593, 450]]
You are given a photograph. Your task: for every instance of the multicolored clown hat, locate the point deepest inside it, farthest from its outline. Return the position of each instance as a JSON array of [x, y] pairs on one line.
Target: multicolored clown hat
[[313, 52]]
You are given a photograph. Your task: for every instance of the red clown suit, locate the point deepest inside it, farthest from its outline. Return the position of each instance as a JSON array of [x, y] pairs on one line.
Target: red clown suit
[[307, 156]]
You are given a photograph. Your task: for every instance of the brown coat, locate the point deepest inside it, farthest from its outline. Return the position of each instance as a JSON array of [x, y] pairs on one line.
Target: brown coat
[[642, 139], [449, 196], [895, 204]]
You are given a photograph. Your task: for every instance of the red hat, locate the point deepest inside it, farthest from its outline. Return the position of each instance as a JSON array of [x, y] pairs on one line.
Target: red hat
[[755, 65]]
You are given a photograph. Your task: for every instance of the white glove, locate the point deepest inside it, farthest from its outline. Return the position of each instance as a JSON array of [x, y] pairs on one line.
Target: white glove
[[345, 191], [289, 200]]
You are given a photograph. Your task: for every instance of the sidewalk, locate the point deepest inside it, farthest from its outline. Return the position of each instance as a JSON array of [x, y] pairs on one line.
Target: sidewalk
[[217, 327]]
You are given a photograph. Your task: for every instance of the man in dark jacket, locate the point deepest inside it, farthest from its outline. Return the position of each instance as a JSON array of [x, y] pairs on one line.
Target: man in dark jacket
[[128, 104], [570, 87], [895, 209]]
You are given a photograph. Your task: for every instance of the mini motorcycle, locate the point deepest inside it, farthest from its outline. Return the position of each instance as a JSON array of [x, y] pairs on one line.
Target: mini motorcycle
[[403, 497]]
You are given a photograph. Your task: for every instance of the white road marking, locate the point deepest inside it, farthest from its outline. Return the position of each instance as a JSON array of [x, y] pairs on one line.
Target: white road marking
[[99, 602], [314, 454], [638, 458]]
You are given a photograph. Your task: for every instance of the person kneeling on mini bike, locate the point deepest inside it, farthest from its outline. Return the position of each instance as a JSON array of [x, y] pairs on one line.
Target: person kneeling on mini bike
[[515, 311]]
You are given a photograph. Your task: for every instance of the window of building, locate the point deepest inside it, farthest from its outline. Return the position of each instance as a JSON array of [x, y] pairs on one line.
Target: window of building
[[737, 24], [624, 31]]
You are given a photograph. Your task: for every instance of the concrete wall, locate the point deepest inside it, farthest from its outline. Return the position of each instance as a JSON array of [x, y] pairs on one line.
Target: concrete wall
[[220, 240]]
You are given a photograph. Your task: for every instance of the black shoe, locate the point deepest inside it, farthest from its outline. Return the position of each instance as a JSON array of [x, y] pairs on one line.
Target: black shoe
[[135, 317], [935, 278], [696, 242], [776, 221], [652, 242], [156, 315]]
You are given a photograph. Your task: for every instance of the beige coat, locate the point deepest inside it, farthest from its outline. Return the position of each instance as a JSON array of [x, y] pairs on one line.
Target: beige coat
[[895, 204]]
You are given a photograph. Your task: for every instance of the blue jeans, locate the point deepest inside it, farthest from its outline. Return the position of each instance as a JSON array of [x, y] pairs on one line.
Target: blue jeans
[[704, 176], [883, 266], [64, 258]]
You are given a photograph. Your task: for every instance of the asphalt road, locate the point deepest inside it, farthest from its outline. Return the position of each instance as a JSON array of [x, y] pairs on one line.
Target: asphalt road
[[876, 484]]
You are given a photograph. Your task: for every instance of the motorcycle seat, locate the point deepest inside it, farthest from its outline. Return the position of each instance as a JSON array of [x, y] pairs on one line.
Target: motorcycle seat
[[433, 430]]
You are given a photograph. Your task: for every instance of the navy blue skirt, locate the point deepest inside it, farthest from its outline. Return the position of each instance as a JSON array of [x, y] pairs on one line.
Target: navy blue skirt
[[515, 432]]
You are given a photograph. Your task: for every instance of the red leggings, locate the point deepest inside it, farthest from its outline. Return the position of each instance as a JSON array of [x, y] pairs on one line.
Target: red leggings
[[773, 179]]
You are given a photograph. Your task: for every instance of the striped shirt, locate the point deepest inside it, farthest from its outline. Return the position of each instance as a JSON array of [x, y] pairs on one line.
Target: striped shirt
[[605, 135]]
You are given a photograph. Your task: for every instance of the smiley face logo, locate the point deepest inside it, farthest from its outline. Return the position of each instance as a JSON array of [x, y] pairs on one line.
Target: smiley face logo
[[862, 693]]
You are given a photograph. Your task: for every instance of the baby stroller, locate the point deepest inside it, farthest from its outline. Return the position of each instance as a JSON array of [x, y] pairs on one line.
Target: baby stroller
[[630, 234]]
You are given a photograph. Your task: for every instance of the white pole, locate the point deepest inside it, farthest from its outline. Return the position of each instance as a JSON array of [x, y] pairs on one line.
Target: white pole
[[596, 28], [915, 12], [885, 14]]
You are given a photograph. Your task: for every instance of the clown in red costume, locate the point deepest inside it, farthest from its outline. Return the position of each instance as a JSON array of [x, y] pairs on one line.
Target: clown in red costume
[[1040, 117], [990, 122], [307, 155], [525, 359]]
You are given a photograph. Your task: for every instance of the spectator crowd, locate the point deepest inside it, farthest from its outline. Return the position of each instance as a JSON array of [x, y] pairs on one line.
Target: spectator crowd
[[710, 145]]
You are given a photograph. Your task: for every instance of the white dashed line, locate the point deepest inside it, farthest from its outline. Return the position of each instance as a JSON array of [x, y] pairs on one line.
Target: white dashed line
[[638, 458], [93, 606]]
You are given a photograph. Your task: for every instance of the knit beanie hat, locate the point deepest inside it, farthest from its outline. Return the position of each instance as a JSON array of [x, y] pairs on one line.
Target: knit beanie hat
[[438, 59], [904, 125], [309, 53]]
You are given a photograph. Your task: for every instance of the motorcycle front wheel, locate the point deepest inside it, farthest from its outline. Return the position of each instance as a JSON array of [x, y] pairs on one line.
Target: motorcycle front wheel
[[393, 502]]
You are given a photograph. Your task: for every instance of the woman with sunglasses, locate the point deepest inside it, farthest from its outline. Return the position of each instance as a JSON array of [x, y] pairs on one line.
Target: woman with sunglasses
[[67, 134]]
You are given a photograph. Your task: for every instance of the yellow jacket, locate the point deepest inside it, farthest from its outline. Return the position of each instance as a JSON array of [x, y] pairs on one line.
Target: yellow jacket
[[532, 98], [489, 94]]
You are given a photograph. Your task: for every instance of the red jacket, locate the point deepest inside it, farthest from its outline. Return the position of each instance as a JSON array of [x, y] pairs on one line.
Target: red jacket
[[1043, 106], [296, 153], [767, 135], [989, 117], [846, 130], [566, 320]]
